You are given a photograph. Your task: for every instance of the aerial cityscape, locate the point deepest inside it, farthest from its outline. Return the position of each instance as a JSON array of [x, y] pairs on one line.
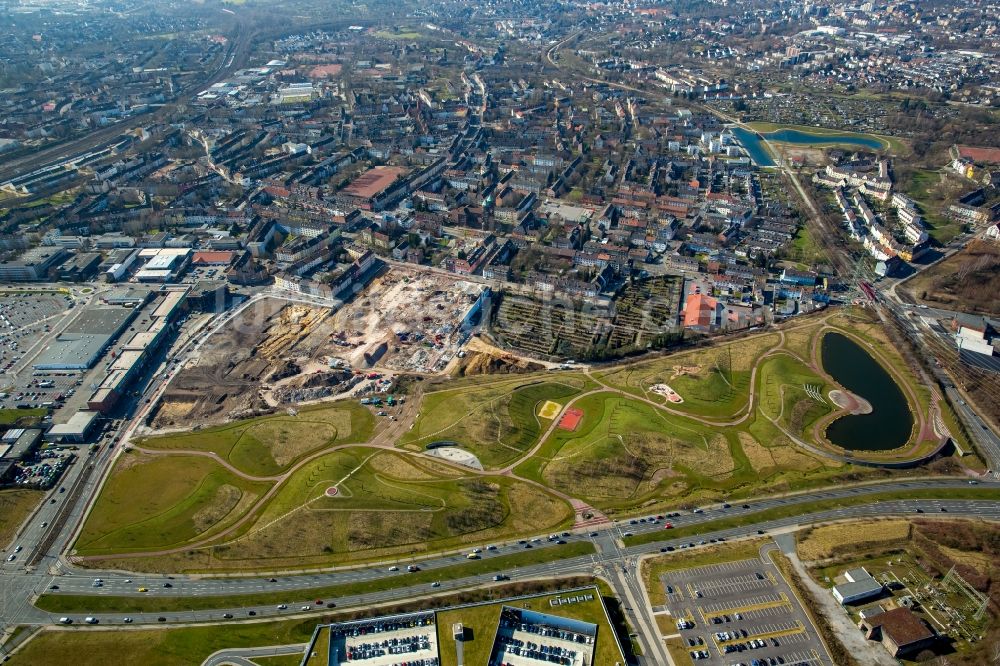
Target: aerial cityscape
[[451, 333]]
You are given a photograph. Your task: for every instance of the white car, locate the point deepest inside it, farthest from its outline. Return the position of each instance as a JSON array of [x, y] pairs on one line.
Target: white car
[[305, 608], [394, 568], [282, 606]]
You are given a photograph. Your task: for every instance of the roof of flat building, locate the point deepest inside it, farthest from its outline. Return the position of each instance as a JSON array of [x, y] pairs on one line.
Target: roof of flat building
[[374, 181]]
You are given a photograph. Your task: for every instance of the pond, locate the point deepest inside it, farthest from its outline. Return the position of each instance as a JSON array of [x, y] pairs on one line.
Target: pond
[[757, 152], [889, 424]]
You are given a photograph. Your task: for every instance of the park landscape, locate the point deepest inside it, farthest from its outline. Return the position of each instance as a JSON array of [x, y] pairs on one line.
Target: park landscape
[[334, 484]]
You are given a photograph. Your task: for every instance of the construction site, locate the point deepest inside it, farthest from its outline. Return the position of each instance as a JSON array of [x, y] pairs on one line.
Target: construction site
[[407, 321], [277, 353], [271, 342]]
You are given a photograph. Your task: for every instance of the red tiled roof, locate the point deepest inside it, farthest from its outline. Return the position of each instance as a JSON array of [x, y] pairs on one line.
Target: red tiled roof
[[217, 257], [699, 310]]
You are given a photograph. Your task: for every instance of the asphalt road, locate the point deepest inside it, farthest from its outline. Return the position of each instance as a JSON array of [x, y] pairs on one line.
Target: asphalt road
[[243, 656], [610, 555]]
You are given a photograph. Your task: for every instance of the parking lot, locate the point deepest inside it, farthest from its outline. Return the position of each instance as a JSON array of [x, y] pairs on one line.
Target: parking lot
[[24, 319], [44, 468], [741, 613]]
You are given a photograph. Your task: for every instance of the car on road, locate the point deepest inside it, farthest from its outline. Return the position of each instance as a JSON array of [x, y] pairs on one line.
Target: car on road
[[11, 558], [282, 607], [227, 616], [394, 568], [127, 620], [18, 549], [272, 580], [144, 589], [161, 619], [436, 584], [305, 608], [53, 587], [167, 585], [500, 577], [91, 620], [251, 613]]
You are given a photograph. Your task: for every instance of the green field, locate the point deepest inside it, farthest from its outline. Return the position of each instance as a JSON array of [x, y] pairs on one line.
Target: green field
[[269, 445], [625, 451], [714, 382], [15, 506], [748, 406], [387, 34], [22, 416], [498, 422], [933, 190], [194, 497], [163, 647], [388, 505]]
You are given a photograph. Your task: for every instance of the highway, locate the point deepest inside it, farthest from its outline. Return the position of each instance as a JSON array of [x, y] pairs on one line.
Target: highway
[[607, 541]]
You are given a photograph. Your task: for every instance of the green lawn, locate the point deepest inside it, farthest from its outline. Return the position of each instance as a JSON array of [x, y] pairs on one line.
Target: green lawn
[[617, 455], [15, 506], [714, 381], [498, 422], [805, 250], [268, 445], [164, 647], [66, 603], [194, 496], [388, 505], [25, 416], [932, 193]]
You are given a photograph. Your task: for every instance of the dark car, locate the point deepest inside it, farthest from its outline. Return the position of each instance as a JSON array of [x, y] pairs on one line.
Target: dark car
[[161, 619], [251, 613], [227, 616]]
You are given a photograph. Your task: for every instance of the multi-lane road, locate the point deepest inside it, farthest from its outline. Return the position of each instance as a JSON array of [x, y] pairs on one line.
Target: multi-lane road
[[611, 555], [49, 533]]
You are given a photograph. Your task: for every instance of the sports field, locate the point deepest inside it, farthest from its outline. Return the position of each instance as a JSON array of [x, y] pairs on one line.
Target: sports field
[[254, 494]]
